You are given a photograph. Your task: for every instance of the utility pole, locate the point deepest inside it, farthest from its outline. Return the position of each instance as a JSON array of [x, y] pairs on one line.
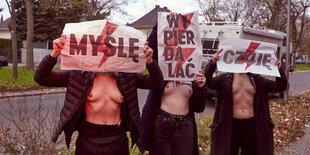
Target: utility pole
[[288, 46]]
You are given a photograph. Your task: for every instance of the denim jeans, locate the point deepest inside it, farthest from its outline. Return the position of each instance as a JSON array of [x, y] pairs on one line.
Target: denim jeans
[[244, 136], [96, 139], [172, 135]]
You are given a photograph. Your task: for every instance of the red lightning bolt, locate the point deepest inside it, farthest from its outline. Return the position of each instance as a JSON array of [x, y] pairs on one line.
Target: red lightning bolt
[[107, 31], [250, 50], [186, 52]]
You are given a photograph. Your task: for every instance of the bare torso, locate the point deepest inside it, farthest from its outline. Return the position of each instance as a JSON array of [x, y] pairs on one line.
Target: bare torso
[[243, 96], [175, 99], [103, 105]]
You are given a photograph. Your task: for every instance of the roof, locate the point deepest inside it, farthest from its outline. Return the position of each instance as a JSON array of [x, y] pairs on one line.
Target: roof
[[4, 24], [149, 19]]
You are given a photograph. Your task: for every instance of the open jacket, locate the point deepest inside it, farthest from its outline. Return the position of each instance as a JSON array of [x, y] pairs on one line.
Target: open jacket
[[80, 83], [197, 103], [221, 127]]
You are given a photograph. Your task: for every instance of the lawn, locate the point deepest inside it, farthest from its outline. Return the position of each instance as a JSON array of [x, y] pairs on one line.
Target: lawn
[[24, 81], [301, 67]]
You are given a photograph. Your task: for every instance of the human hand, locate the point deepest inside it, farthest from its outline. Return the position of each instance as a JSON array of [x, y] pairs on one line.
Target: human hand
[[172, 14], [278, 63], [148, 53], [200, 79], [216, 56], [58, 45]]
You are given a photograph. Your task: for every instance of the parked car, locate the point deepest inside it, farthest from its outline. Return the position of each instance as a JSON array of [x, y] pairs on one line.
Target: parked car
[[299, 61], [3, 61]]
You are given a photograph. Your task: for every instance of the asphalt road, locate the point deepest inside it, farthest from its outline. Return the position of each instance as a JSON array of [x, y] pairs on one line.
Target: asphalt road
[[48, 102], [299, 83]]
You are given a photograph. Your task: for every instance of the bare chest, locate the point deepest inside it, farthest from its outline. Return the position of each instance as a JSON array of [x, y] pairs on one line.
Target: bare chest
[[179, 89], [105, 89], [242, 84]]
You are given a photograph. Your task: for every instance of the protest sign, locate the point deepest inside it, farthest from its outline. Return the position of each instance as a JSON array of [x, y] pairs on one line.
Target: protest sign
[[102, 46], [242, 56], [179, 46]]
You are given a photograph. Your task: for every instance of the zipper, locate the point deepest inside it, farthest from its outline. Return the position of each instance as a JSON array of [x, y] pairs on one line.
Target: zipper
[[125, 101], [84, 97]]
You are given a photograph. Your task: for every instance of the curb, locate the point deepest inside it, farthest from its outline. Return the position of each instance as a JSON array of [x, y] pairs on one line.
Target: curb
[[32, 93]]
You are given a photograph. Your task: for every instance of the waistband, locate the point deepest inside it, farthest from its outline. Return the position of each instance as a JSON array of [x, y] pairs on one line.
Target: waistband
[[98, 130], [172, 117], [245, 120]]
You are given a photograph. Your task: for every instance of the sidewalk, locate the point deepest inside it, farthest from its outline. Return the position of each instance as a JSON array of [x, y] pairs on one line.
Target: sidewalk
[[300, 146], [34, 92]]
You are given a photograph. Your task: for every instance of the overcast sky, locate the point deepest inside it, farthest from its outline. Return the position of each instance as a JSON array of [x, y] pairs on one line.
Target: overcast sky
[[137, 9]]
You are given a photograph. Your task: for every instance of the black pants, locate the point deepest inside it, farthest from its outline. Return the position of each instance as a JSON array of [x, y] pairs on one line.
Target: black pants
[[244, 136], [172, 135], [96, 139]]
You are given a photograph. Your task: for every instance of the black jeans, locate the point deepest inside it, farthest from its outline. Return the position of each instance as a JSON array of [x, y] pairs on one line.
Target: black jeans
[[172, 135], [244, 136], [96, 139]]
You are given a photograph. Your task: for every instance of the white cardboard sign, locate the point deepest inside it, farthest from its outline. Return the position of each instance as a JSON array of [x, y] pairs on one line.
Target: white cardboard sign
[[179, 46], [242, 56], [102, 46]]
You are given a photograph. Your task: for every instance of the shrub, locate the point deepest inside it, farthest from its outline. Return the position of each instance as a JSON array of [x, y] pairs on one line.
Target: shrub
[[28, 128], [204, 134]]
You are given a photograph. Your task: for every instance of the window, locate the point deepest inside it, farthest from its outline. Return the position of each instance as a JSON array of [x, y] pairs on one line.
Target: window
[[209, 47]]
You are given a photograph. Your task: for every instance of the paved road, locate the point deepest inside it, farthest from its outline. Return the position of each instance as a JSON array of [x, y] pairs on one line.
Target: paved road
[[299, 83], [49, 101]]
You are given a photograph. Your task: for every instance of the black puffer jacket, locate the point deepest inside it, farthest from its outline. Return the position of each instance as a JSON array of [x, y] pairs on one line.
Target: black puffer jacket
[[80, 83]]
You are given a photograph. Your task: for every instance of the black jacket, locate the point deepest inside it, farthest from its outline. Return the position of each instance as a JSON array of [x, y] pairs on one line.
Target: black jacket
[[80, 83], [222, 121], [197, 103]]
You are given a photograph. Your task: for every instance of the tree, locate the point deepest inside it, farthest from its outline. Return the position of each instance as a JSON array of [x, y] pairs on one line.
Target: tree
[[49, 17], [298, 21], [211, 9], [29, 52], [234, 9], [101, 9], [14, 38]]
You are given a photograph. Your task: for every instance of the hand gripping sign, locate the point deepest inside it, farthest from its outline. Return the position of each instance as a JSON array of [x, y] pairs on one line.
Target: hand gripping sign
[[102, 46], [242, 56], [179, 46]]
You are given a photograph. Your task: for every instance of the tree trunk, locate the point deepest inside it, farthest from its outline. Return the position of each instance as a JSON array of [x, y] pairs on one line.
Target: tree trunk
[[14, 41], [29, 52]]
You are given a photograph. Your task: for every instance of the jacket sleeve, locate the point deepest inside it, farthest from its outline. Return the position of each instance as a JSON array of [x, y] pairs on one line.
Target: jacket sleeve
[[44, 75], [276, 86], [154, 80], [152, 39], [212, 82], [199, 98]]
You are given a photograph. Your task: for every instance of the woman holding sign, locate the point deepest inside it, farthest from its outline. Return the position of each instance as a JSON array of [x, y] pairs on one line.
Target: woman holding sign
[[242, 117], [168, 119], [101, 106]]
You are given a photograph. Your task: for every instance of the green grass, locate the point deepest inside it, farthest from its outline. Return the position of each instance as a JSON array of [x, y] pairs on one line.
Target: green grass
[[24, 81], [301, 67], [145, 71]]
